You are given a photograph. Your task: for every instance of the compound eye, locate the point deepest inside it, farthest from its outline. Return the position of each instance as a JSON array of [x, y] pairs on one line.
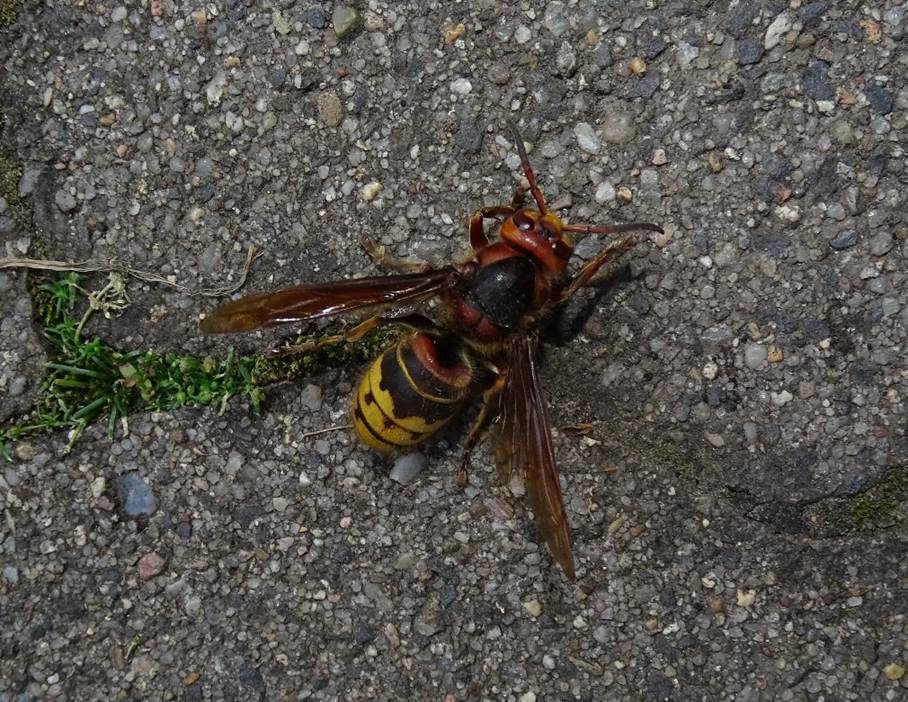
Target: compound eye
[[562, 249], [523, 221]]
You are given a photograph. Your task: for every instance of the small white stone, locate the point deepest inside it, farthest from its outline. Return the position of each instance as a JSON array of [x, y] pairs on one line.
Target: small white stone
[[788, 213], [407, 467], [710, 370], [523, 34], [605, 192], [685, 54], [461, 86], [715, 440], [745, 598], [755, 355], [781, 398], [370, 190], [214, 91], [587, 139], [781, 25], [533, 608], [280, 504]]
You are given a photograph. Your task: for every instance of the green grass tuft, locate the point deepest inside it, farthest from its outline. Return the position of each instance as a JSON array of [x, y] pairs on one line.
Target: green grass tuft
[[90, 381]]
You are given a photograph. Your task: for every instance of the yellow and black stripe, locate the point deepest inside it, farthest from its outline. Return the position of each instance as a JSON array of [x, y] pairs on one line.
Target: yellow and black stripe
[[411, 391]]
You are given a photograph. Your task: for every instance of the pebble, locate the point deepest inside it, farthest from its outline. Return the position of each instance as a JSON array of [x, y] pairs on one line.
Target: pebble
[[554, 20], [369, 191], [315, 17], [11, 575], [408, 466], [566, 60], [311, 397], [716, 336], [751, 432], [715, 440], [330, 109], [605, 192], [890, 306], [844, 240], [587, 139], [816, 83], [755, 355], [868, 272], [710, 370], [214, 90], [748, 52], [836, 211], [523, 34], [135, 495], [659, 157], [881, 243], [778, 28], [65, 201], [150, 565], [894, 671], [745, 598], [780, 399], [281, 26], [469, 137], [618, 127], [98, 486], [344, 19], [280, 503], [533, 608], [880, 100], [602, 55], [461, 86], [686, 54], [894, 17]]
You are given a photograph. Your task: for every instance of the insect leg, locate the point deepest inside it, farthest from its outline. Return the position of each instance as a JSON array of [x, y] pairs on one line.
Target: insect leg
[[351, 335], [414, 321], [486, 414], [394, 264], [478, 237], [612, 251]]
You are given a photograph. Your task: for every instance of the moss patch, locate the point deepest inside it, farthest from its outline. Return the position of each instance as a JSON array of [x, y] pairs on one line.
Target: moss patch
[[10, 175], [883, 506], [9, 10]]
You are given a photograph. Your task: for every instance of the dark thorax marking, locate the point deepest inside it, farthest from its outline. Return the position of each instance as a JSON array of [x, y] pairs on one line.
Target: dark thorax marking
[[503, 291]]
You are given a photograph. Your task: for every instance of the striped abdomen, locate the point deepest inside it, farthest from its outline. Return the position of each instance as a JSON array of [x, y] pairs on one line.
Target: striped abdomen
[[411, 391]]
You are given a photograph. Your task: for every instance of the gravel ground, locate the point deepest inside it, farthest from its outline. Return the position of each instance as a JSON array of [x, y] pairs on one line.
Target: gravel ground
[[739, 506]]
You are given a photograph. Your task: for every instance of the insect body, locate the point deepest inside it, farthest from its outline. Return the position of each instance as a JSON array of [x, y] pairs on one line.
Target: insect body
[[484, 344], [411, 391]]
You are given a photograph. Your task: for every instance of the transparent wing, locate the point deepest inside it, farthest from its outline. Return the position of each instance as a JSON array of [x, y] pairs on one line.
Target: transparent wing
[[322, 300], [525, 445]]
